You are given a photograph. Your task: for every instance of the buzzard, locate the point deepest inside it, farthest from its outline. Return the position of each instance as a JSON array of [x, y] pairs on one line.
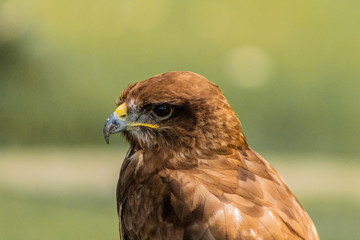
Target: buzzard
[[189, 172]]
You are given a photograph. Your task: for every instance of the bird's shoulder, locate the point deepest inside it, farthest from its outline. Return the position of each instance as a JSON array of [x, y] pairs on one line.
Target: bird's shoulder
[[237, 195], [232, 195]]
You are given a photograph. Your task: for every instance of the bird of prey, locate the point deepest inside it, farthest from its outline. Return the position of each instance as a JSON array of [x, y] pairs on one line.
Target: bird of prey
[[190, 173]]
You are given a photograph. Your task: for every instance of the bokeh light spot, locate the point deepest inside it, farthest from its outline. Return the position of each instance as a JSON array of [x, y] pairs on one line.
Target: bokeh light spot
[[13, 21], [248, 66]]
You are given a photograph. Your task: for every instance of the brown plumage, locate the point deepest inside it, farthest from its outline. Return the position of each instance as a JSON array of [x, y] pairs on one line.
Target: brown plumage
[[189, 172]]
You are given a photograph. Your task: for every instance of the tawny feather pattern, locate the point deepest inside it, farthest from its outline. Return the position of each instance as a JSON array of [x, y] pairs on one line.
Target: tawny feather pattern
[[195, 177]]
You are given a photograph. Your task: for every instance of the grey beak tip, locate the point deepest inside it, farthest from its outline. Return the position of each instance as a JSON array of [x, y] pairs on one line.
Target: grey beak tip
[[106, 136], [106, 131], [113, 125]]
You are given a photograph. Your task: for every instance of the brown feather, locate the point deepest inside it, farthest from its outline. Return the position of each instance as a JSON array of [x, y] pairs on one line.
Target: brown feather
[[195, 177]]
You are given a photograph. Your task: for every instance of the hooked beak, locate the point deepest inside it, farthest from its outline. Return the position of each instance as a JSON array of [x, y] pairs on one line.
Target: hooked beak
[[116, 122]]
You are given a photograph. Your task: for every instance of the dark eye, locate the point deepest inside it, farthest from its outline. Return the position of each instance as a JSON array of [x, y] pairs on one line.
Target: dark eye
[[162, 110]]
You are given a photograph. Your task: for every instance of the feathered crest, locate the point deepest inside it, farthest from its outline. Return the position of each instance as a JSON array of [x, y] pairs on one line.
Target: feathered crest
[[124, 93]]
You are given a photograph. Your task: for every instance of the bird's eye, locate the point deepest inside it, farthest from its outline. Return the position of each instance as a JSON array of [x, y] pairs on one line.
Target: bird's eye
[[162, 110]]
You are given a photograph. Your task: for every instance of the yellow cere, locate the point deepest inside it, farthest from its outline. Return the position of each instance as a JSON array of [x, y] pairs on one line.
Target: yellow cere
[[121, 111]]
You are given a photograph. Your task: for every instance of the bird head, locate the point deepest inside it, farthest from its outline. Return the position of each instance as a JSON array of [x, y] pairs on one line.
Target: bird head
[[175, 110]]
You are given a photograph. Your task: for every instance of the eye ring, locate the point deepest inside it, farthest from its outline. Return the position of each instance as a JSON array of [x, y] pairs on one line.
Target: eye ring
[[162, 111]]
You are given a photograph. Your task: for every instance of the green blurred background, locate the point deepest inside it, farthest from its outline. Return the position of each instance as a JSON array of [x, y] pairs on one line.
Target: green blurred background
[[289, 69]]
